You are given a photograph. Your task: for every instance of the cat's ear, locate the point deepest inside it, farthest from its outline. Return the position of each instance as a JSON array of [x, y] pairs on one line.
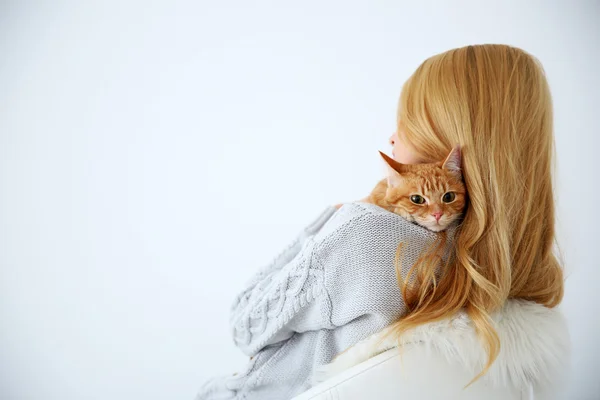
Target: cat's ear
[[394, 179], [394, 170], [452, 162]]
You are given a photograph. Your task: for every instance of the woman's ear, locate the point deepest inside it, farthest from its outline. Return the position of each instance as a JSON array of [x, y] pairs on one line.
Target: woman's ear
[[453, 162]]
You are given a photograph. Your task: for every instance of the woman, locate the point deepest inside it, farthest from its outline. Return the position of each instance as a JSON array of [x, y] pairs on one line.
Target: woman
[[336, 283]]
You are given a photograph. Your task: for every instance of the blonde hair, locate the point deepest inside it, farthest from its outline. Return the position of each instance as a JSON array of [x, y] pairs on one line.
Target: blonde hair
[[494, 101]]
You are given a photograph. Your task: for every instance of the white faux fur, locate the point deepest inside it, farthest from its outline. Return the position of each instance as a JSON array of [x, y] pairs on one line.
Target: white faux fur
[[534, 346]]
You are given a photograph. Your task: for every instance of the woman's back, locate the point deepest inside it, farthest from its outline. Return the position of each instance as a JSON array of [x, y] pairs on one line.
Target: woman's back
[[437, 360]]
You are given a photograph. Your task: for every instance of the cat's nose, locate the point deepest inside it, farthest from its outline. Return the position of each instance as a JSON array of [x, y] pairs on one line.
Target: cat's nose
[[437, 215]]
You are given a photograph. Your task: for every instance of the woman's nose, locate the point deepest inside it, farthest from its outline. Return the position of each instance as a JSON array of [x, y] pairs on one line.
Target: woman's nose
[[392, 139]]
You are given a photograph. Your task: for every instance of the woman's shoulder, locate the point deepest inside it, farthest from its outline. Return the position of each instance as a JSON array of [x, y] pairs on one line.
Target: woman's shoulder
[[366, 219]]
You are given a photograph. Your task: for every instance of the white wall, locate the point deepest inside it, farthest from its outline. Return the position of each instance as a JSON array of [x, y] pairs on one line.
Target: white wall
[[153, 155]]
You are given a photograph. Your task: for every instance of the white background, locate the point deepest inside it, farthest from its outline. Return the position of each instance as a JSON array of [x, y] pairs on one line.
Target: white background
[[153, 155]]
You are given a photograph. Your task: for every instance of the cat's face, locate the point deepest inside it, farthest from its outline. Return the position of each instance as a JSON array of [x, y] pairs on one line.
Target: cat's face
[[432, 195]]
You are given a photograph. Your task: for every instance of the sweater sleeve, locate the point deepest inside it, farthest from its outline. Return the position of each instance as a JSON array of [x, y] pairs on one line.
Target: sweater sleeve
[[360, 268], [264, 291], [342, 278], [253, 285]]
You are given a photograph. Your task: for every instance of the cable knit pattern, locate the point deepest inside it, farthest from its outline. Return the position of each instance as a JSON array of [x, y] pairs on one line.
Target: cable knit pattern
[[332, 286]]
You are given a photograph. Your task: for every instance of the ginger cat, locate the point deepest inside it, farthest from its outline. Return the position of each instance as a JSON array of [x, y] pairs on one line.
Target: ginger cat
[[431, 195]]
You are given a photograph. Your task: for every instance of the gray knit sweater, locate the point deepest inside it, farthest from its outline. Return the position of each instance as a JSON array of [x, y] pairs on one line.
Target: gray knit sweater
[[334, 285]]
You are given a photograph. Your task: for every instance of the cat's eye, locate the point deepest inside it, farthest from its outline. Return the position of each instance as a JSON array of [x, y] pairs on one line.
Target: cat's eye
[[415, 198], [449, 197]]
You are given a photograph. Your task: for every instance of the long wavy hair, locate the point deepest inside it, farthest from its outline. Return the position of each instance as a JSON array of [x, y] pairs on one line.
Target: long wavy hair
[[493, 101]]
